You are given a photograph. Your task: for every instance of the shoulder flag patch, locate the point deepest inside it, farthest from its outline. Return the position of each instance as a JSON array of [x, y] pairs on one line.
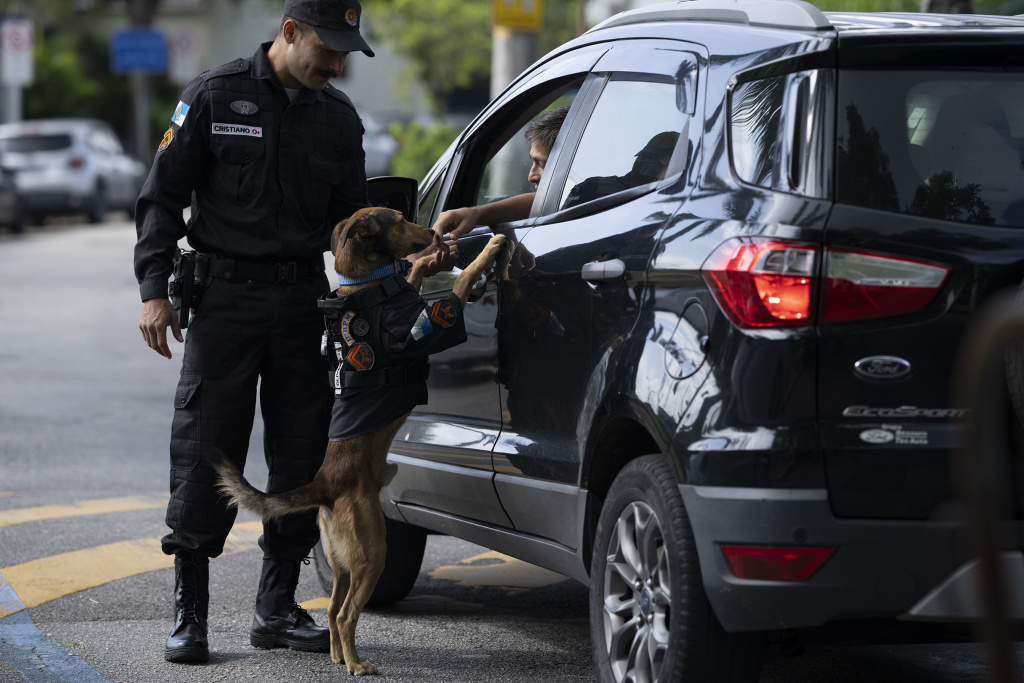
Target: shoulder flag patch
[[180, 112]]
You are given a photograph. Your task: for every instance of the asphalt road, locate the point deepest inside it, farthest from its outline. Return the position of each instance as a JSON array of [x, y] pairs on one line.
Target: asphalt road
[[86, 595]]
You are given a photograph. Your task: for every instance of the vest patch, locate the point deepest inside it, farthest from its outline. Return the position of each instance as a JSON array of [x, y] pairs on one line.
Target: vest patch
[[235, 129]]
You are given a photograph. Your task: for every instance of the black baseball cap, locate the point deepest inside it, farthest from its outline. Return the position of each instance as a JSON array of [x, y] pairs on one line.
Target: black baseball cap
[[335, 21]]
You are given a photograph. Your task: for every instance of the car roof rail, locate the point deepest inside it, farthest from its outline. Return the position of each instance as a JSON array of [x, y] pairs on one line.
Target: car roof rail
[[793, 14]]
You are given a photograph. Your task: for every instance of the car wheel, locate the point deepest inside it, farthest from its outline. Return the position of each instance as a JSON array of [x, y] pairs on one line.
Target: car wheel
[[1014, 356], [98, 206], [406, 544], [18, 223], [650, 619]]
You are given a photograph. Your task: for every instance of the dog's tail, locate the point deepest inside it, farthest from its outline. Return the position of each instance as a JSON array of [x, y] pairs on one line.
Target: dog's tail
[[242, 494]]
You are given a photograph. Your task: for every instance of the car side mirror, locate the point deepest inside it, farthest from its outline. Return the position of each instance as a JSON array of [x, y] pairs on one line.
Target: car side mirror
[[395, 193]]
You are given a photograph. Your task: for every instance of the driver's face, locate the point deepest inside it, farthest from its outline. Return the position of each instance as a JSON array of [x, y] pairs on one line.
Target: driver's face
[[539, 157]]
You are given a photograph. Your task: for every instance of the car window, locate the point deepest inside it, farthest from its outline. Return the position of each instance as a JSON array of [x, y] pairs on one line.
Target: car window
[[629, 140], [35, 143], [425, 210], [777, 132], [497, 163], [755, 119], [507, 171], [931, 143]]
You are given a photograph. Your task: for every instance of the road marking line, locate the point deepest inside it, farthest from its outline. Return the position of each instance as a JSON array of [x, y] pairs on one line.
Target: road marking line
[[38, 657], [33, 583], [495, 569], [86, 507]]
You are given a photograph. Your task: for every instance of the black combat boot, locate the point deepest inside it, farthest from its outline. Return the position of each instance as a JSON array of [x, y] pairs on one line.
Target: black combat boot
[[187, 642], [279, 622]]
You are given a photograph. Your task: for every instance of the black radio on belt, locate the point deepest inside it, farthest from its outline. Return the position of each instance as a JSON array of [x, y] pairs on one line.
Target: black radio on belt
[[185, 289]]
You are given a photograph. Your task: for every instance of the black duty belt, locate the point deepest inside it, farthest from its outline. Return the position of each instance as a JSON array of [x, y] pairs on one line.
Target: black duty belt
[[289, 272]]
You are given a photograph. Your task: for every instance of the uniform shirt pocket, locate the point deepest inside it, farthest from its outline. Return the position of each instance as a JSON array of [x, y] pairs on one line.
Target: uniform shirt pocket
[[237, 177], [324, 175]]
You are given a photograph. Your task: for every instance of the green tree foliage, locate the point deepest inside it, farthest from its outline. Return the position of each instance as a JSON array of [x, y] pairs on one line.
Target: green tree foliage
[[449, 41], [73, 79], [419, 147]]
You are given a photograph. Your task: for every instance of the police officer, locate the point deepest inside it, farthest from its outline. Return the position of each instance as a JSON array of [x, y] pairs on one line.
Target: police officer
[[269, 156]]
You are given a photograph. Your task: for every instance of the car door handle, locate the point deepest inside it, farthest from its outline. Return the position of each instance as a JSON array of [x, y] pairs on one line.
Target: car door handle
[[603, 271]]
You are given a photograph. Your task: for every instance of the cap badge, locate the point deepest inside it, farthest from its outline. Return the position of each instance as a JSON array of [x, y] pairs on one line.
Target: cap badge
[[244, 108], [351, 17]]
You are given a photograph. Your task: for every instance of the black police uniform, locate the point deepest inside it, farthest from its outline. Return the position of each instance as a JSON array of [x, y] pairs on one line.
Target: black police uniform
[[267, 179]]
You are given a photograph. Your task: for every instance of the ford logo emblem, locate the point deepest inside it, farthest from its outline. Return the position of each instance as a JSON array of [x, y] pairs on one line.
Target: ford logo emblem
[[876, 436], [882, 368]]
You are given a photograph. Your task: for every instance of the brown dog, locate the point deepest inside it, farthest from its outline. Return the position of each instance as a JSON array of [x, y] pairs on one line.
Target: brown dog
[[348, 484]]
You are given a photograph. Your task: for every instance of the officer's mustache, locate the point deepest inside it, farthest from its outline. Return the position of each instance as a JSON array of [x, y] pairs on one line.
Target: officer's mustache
[[328, 73]]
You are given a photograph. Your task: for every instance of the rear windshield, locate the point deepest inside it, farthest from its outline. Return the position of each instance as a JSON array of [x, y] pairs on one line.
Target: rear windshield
[[941, 144], [35, 143]]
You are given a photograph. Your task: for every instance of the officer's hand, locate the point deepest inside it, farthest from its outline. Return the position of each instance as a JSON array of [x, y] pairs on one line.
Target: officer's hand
[[157, 316], [456, 222]]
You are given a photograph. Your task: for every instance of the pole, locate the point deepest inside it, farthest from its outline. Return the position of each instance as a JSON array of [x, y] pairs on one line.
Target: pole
[[512, 52], [12, 104], [140, 108]]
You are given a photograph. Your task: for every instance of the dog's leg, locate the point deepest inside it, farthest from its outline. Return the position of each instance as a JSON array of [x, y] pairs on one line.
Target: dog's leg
[[329, 534], [419, 269], [468, 277], [363, 549]]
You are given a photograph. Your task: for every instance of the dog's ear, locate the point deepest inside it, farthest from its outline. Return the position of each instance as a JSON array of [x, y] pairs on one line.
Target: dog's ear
[[339, 237], [360, 222]]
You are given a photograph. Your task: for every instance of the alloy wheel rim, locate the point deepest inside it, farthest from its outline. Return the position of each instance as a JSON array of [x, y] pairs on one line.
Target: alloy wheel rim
[[637, 596]]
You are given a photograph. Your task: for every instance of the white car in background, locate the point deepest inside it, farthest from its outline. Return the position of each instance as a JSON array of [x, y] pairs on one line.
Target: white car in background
[[380, 147], [70, 166]]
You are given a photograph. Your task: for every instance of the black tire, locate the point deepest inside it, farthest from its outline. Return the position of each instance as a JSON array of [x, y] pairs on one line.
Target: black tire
[[98, 206], [1015, 367], [406, 544], [650, 619], [18, 224]]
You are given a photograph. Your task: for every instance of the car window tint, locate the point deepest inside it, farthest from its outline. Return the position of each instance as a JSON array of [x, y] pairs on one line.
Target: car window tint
[[629, 140], [933, 143]]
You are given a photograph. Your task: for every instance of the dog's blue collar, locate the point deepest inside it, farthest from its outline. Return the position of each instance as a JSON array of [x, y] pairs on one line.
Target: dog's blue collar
[[400, 267]]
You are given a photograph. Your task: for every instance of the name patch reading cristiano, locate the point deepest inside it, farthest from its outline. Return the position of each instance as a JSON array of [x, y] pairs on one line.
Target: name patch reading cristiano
[[235, 129]]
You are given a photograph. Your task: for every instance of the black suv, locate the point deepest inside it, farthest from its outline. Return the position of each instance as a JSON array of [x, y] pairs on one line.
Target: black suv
[[719, 394]]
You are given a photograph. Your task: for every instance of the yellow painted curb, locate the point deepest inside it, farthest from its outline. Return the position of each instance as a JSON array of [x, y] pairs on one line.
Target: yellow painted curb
[[87, 507], [54, 577]]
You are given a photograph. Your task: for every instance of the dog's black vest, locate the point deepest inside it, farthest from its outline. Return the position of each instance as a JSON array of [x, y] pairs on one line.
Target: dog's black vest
[[378, 341]]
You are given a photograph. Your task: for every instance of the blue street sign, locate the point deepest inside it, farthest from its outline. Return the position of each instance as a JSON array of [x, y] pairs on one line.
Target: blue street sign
[[138, 50]]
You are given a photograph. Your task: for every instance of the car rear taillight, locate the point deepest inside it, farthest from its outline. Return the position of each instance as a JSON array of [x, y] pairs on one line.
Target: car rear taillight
[[775, 564], [861, 285], [76, 162], [762, 282]]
